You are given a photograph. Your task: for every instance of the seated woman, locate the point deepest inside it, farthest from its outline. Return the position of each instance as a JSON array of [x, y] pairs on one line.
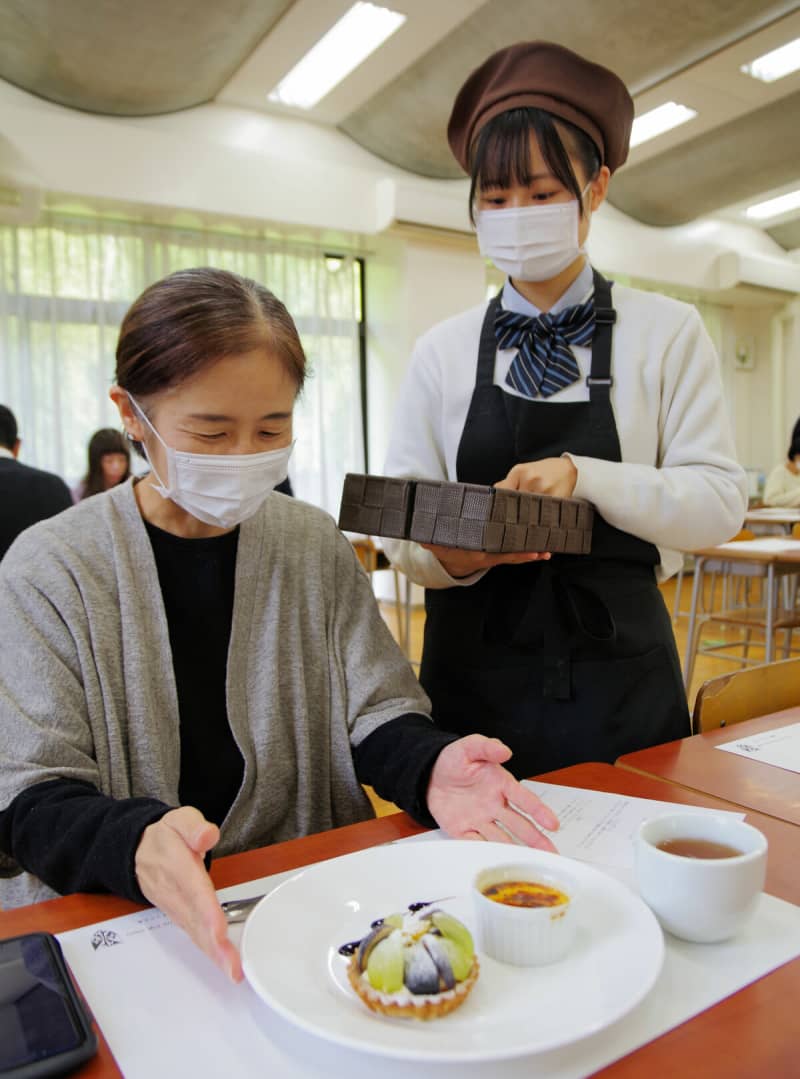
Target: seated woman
[[193, 662], [783, 483], [109, 463]]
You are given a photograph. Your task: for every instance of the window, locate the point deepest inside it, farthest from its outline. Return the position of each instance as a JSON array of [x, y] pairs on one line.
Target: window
[[65, 286]]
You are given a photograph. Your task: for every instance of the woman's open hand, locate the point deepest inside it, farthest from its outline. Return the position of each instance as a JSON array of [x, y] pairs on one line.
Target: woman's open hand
[[171, 871], [471, 795]]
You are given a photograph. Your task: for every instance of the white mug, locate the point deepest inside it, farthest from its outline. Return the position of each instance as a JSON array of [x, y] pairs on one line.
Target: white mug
[[700, 899]]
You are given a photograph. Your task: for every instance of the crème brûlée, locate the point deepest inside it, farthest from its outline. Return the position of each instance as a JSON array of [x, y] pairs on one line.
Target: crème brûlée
[[415, 965]]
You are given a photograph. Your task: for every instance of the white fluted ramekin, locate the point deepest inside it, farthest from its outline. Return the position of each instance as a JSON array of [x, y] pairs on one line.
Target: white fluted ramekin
[[524, 936]]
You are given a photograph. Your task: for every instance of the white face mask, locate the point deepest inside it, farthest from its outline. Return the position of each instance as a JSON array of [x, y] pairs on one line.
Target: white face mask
[[221, 489], [531, 243]]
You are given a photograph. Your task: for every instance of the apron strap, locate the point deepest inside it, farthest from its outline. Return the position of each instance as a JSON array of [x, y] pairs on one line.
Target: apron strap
[[487, 347], [599, 379]]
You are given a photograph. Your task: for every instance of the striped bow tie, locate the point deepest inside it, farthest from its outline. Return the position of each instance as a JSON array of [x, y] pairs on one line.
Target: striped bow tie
[[544, 363]]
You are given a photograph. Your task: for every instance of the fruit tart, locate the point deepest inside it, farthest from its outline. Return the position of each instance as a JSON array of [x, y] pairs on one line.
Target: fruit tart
[[420, 964]]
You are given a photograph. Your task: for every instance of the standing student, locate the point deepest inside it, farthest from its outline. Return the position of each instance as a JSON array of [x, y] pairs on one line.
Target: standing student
[[564, 385], [190, 661]]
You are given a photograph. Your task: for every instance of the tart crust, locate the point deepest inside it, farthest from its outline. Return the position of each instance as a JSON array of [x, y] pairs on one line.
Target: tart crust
[[429, 1006]]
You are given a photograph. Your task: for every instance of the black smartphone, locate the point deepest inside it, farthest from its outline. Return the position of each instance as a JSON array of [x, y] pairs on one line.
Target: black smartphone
[[44, 1026]]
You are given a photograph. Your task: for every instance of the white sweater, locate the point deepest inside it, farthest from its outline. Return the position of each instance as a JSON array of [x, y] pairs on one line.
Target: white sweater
[[678, 484], [782, 487]]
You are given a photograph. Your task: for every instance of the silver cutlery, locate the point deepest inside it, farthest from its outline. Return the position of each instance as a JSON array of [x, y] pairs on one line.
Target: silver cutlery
[[237, 910]]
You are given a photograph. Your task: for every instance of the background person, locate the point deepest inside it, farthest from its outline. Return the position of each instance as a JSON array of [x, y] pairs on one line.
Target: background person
[[109, 463], [566, 386], [27, 495], [783, 483], [191, 661]]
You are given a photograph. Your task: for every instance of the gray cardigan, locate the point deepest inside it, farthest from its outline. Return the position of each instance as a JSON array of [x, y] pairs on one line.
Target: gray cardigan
[[87, 689]]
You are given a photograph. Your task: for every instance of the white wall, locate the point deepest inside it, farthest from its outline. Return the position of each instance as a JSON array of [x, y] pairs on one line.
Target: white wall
[[788, 403], [414, 280]]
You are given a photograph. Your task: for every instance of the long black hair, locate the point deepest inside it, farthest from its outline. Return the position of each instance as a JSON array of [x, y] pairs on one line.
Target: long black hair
[[106, 440], [501, 154]]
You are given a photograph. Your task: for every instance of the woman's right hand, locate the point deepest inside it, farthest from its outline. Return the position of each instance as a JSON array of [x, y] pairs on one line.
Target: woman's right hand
[[460, 563], [171, 872]]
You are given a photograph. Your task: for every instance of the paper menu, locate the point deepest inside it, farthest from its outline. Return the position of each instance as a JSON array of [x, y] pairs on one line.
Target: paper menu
[[600, 827], [780, 747], [767, 512], [766, 543]]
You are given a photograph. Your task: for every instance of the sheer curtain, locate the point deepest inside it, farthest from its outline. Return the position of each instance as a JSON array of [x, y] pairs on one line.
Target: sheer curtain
[[65, 285]]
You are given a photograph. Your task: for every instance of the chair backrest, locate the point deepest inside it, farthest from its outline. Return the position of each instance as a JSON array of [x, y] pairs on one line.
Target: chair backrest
[[366, 552], [753, 691], [742, 534], [796, 531]]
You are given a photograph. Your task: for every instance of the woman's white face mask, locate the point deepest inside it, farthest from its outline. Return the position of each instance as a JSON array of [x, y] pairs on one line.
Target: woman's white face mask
[[531, 243], [220, 489]]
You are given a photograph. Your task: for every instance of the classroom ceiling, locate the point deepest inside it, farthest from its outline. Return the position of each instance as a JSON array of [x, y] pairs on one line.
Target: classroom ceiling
[[158, 56]]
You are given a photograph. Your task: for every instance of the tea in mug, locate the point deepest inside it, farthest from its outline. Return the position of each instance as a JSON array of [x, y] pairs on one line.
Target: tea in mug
[[698, 848]]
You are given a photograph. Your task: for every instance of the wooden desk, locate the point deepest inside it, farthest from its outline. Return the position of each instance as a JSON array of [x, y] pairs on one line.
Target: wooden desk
[[695, 764], [772, 564], [750, 1033], [782, 517]]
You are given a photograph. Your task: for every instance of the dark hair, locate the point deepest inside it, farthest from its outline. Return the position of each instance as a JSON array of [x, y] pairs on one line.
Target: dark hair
[[106, 440], [794, 447], [501, 154], [8, 428], [192, 318]]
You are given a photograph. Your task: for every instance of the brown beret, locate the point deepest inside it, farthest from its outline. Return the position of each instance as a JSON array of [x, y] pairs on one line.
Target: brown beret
[[546, 76]]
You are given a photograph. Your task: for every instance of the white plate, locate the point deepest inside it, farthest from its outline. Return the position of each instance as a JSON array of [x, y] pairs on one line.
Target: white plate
[[291, 941]]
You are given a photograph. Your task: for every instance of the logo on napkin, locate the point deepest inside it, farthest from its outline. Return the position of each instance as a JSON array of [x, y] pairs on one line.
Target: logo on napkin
[[105, 938]]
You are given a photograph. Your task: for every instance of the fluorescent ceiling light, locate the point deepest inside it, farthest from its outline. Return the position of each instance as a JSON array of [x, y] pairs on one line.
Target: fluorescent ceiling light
[[774, 65], [359, 32], [657, 121], [772, 207]]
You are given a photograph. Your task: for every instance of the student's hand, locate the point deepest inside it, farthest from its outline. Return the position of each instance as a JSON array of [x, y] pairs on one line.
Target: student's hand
[[460, 563], [470, 795], [555, 476], [171, 873]]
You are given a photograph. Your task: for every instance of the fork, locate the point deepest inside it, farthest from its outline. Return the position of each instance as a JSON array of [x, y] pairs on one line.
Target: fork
[[237, 910]]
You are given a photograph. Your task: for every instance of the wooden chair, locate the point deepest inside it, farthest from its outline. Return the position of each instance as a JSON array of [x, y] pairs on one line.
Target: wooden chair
[[373, 558], [753, 691]]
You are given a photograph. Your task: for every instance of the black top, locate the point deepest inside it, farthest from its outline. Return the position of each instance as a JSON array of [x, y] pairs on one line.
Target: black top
[[76, 839], [27, 495], [197, 584]]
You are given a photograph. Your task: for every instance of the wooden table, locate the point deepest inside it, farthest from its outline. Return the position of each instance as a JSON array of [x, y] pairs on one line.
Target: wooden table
[[753, 1032], [695, 764], [782, 517], [772, 564]]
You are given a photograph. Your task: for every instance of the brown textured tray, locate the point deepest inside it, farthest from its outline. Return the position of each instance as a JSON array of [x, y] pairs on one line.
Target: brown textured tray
[[465, 515]]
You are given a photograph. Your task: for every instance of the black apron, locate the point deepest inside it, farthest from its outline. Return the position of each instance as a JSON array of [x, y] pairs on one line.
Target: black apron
[[568, 660]]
